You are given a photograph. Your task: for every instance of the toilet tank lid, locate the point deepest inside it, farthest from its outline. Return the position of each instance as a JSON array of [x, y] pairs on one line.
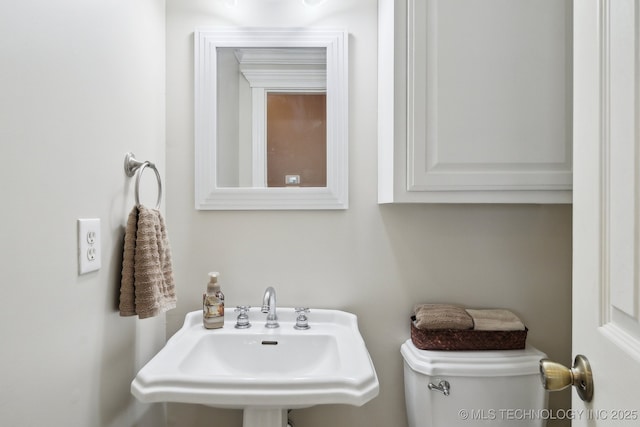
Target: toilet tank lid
[[472, 363]]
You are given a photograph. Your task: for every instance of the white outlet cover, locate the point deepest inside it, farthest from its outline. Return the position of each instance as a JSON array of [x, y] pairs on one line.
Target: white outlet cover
[[88, 245]]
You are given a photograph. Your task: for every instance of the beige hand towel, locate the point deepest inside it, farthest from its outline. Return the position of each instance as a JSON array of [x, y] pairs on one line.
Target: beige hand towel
[[495, 320], [147, 288], [442, 316]]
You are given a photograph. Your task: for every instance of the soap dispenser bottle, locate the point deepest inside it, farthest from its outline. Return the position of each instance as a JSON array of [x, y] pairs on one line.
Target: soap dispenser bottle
[[213, 304]]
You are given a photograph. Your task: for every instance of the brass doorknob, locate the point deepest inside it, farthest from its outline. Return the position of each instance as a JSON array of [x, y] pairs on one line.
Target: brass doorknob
[[557, 377]]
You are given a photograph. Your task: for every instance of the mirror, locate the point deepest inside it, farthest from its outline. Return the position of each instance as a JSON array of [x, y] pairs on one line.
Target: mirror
[[271, 118]]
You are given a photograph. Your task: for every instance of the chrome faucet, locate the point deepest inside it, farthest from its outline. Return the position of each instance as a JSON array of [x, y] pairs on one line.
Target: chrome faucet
[[269, 306]]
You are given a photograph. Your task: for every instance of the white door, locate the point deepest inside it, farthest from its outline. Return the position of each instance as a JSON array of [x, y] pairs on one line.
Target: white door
[[606, 227]]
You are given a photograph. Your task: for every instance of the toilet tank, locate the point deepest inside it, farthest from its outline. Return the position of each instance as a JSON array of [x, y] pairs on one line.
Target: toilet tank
[[496, 388]]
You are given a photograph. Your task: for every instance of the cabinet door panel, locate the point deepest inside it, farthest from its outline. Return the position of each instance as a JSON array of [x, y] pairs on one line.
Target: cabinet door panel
[[488, 95]]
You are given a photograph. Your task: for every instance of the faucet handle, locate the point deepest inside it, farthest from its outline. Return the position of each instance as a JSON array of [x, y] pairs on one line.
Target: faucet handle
[[242, 322], [301, 321]]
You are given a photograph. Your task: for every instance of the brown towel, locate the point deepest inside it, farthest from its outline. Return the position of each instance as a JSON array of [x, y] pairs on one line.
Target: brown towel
[[147, 287], [442, 316], [495, 320]]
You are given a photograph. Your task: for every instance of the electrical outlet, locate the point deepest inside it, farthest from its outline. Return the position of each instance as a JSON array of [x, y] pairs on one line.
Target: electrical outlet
[[88, 245]]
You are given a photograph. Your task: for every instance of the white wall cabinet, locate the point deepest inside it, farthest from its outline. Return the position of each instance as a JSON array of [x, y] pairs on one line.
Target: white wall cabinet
[[475, 101]]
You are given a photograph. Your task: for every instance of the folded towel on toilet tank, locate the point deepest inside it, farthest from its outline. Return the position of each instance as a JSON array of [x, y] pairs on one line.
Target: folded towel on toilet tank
[[497, 319], [441, 316]]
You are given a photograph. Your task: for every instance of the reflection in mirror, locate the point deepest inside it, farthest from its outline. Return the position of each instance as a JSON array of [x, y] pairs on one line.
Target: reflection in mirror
[[296, 139], [271, 118]]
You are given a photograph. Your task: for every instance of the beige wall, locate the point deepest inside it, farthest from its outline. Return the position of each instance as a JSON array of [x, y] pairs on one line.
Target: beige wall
[[81, 83], [375, 261]]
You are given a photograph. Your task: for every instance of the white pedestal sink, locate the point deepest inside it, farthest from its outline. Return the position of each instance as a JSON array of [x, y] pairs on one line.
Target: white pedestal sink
[[258, 417], [262, 371]]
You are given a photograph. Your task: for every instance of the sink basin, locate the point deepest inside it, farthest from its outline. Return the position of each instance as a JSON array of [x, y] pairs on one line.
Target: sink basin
[[255, 355], [260, 370]]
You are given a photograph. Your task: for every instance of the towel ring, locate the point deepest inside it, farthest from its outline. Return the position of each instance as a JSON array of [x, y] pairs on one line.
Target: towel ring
[[131, 165]]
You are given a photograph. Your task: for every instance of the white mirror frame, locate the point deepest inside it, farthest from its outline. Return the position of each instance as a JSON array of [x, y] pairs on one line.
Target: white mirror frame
[[208, 196]]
